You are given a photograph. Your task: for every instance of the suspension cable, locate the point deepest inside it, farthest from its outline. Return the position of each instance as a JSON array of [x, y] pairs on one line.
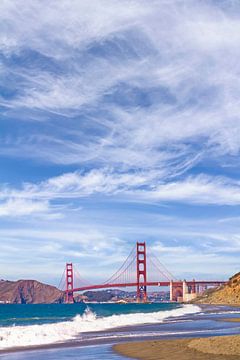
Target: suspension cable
[[63, 275], [122, 266]]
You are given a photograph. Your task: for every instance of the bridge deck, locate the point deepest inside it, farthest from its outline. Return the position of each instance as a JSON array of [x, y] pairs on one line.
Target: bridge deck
[[148, 283]]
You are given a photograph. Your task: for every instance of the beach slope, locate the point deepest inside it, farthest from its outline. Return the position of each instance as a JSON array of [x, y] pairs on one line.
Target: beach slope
[[212, 348]]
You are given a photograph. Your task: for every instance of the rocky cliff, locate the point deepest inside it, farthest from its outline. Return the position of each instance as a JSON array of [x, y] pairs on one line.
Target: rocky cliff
[[29, 292], [227, 295]]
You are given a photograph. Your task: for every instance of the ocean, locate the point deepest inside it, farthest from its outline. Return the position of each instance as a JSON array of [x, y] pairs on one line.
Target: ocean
[[87, 331]]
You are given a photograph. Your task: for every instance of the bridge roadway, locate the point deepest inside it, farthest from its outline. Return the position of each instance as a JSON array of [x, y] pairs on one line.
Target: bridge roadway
[[148, 283]]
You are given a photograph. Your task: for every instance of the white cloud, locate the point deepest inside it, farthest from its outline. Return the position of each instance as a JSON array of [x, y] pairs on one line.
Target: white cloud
[[14, 207], [199, 190], [81, 23], [63, 38], [150, 47], [131, 187], [76, 185]]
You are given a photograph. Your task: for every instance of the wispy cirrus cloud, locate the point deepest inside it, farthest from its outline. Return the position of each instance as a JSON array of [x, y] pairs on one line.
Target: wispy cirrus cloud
[[14, 207], [129, 187], [140, 86], [198, 190]]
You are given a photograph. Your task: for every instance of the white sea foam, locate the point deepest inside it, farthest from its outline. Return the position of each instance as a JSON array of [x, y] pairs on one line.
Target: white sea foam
[[59, 332], [220, 312]]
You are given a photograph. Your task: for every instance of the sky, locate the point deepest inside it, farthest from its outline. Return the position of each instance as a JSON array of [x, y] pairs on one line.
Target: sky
[[119, 122]]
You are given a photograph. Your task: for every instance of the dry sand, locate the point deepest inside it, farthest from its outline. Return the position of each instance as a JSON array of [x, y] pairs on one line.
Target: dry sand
[[212, 348]]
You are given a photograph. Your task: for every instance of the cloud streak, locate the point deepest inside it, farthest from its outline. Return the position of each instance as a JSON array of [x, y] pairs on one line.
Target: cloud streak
[[109, 70], [129, 187]]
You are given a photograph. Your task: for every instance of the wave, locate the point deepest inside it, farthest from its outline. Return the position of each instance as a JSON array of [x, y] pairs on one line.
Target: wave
[[220, 312], [154, 334], [31, 335]]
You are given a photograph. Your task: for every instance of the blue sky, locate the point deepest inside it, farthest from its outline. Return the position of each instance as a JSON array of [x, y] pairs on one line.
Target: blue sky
[[119, 122]]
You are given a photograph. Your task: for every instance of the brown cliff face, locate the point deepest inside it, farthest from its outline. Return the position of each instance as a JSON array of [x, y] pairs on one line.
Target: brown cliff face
[[29, 292], [227, 295]]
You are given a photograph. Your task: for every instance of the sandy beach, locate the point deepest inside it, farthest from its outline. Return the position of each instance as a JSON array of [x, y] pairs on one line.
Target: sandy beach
[[212, 348]]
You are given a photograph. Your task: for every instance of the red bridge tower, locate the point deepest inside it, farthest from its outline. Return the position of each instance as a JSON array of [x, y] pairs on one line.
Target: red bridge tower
[[141, 272], [69, 283]]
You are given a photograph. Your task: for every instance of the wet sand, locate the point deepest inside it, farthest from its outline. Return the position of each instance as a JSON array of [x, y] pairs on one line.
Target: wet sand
[[231, 319], [211, 348]]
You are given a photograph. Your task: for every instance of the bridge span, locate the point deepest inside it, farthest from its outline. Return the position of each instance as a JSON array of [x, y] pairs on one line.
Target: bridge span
[[134, 273]]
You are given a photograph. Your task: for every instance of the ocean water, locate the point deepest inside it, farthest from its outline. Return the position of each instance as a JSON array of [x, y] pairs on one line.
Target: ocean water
[[28, 325], [87, 331], [15, 314]]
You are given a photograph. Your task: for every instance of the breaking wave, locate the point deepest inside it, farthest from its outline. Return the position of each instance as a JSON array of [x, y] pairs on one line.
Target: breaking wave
[[31, 335]]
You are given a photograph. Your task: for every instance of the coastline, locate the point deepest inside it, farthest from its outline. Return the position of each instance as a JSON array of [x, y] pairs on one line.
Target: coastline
[[220, 320]]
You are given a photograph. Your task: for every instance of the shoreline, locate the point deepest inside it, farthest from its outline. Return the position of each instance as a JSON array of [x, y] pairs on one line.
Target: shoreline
[[174, 349], [139, 333]]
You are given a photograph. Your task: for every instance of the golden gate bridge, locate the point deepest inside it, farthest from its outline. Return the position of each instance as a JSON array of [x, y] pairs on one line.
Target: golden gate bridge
[[139, 270]]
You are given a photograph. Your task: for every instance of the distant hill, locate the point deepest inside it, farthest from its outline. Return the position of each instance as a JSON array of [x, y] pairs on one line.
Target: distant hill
[[29, 292], [228, 294], [100, 295]]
